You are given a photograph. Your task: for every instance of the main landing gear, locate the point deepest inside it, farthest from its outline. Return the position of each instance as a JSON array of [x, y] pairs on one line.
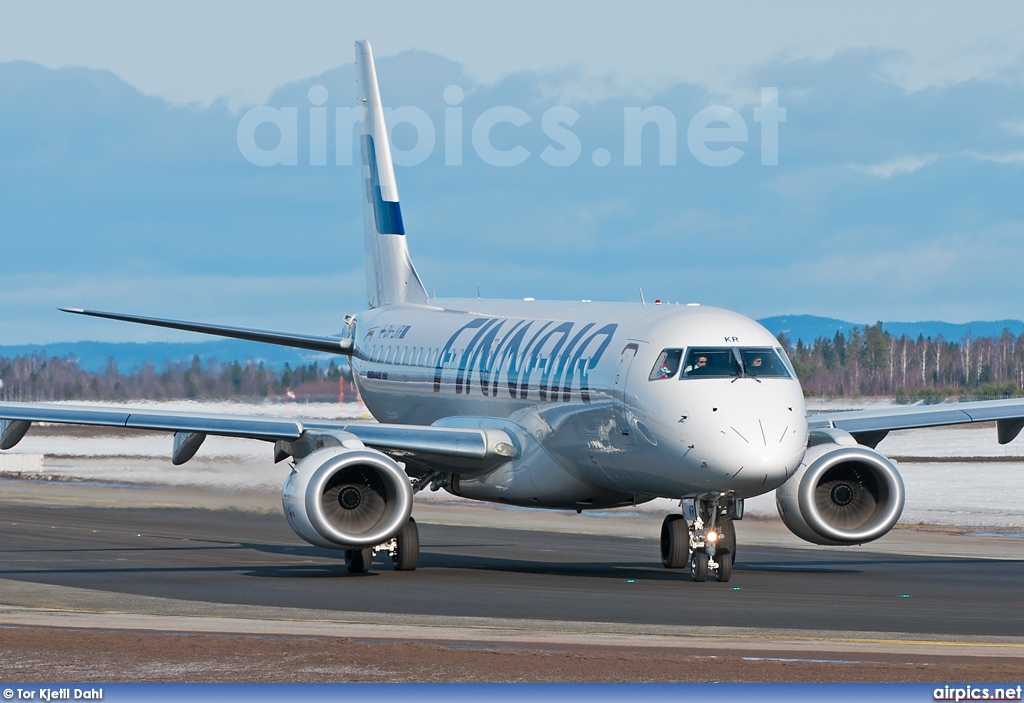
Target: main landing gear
[[703, 537], [403, 548]]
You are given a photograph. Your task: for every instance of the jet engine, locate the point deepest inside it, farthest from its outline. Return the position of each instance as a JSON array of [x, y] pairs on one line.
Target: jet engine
[[842, 493], [347, 498]]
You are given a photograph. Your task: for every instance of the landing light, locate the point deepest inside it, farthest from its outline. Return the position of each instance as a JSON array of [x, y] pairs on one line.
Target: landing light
[[504, 449], [711, 536]]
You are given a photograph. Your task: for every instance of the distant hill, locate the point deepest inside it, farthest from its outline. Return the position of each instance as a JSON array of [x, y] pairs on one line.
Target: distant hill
[[809, 328], [93, 356], [806, 327]]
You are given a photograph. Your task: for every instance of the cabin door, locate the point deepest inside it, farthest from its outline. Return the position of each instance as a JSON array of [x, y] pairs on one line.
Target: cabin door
[[621, 407]]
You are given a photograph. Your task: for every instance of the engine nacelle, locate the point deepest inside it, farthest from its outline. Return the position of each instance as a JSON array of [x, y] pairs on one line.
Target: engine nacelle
[[347, 498], [842, 493]]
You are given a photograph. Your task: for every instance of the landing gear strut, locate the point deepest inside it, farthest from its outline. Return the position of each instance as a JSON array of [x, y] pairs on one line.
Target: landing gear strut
[[703, 538], [403, 548]]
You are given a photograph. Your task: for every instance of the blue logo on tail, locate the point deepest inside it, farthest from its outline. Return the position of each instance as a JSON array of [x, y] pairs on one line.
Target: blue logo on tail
[[388, 215]]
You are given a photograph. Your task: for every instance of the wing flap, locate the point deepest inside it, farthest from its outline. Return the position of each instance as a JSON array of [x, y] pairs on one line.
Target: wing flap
[[252, 427]]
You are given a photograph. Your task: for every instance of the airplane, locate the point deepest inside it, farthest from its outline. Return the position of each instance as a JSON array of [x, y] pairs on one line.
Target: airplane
[[553, 405]]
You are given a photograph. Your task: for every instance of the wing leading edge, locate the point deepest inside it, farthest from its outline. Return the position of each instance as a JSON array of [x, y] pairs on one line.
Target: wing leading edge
[[455, 450], [871, 426]]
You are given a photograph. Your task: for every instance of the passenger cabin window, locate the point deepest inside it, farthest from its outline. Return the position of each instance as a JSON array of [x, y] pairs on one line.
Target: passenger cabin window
[[667, 365]]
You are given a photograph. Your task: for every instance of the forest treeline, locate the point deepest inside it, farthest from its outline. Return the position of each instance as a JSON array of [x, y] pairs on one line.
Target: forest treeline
[[41, 378], [866, 361]]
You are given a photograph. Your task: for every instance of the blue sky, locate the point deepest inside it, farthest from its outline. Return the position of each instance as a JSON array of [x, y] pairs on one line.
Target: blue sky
[[896, 195]]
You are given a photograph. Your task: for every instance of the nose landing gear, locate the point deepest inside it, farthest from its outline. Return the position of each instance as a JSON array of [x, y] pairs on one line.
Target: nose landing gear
[[703, 537]]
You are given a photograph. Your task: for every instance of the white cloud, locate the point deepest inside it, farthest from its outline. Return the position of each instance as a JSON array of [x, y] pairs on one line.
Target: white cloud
[[906, 281], [294, 303], [895, 167], [1009, 157], [194, 51], [1013, 126]]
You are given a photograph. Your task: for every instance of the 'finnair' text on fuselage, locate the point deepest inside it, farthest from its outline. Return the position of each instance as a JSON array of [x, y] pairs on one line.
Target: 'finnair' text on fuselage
[[496, 354]]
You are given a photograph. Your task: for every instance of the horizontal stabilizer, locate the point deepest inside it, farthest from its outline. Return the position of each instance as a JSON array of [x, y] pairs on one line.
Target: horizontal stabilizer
[[331, 345]]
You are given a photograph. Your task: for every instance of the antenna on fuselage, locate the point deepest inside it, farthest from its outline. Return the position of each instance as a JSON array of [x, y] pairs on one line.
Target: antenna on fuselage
[[642, 301]]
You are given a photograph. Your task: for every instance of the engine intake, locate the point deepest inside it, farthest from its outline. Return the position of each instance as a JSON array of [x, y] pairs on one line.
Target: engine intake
[[841, 494], [347, 498]]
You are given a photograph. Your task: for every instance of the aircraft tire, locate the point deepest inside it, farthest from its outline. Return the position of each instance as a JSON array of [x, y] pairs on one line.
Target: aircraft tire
[[699, 567], [407, 557], [728, 532], [358, 561], [675, 542], [724, 567]]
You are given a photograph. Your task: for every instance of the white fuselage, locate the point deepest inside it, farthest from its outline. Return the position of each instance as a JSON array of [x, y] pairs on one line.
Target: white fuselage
[[580, 379]]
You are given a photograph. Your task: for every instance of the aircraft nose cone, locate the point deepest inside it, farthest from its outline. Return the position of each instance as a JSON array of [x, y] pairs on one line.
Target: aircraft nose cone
[[773, 432], [762, 451], [760, 433]]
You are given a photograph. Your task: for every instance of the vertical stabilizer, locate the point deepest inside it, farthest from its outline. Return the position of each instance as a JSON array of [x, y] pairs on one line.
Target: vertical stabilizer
[[390, 276]]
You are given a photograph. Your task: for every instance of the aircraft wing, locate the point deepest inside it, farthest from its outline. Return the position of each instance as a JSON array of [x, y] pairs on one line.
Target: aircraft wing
[[451, 449], [333, 345], [870, 426]]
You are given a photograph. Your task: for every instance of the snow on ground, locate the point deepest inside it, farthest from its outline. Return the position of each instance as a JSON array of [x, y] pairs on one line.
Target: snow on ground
[[987, 493]]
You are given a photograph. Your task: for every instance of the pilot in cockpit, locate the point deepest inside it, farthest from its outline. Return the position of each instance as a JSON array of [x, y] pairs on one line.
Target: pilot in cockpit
[[697, 368]]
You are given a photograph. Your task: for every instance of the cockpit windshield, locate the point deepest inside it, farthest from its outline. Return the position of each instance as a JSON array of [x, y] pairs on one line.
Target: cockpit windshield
[[711, 363], [722, 362], [763, 361]]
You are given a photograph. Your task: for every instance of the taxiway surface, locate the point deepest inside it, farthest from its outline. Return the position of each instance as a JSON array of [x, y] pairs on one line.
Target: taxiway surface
[[233, 557], [70, 559]]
